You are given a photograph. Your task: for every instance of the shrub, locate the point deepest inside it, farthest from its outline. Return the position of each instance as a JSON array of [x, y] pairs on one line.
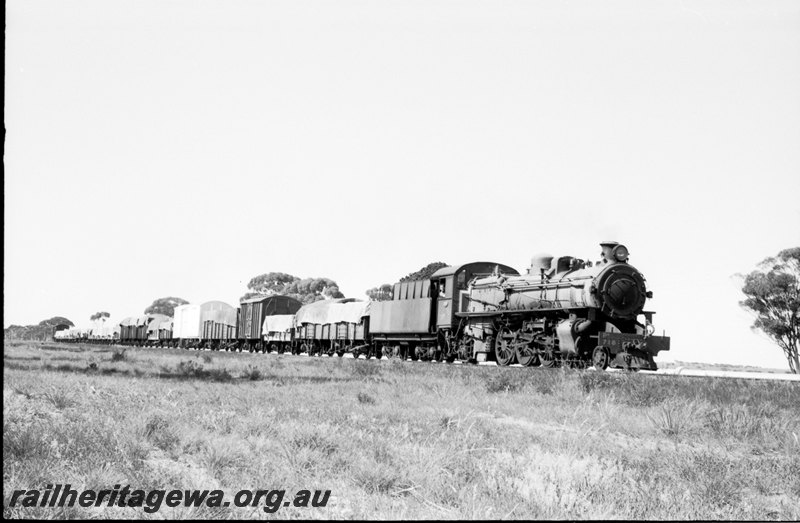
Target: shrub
[[189, 369], [192, 369], [217, 375], [363, 397], [314, 441], [504, 381], [159, 432], [596, 381], [366, 370], [118, 355], [253, 373]]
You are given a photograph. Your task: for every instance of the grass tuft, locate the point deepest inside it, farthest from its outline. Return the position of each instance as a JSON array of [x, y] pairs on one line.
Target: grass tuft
[[253, 373], [118, 355], [365, 398], [672, 418], [504, 382], [366, 370], [190, 369], [59, 398], [159, 431]]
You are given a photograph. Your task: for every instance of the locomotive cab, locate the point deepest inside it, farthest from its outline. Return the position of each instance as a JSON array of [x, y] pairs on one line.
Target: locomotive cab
[[452, 283]]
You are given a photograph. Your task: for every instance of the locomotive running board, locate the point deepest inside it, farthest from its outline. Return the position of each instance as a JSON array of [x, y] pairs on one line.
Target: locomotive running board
[[486, 314]]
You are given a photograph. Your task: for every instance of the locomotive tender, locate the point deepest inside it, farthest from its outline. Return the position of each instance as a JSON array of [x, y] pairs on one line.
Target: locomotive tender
[[564, 311]]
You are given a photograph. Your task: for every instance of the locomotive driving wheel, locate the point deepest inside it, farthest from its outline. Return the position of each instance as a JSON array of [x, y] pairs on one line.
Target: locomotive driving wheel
[[526, 355], [600, 358], [548, 358], [504, 347]]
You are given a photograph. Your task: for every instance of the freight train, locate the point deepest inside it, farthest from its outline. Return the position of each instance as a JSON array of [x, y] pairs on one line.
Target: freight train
[[563, 311]]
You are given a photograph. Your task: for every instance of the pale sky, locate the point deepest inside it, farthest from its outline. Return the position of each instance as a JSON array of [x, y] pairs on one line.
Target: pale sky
[[179, 148]]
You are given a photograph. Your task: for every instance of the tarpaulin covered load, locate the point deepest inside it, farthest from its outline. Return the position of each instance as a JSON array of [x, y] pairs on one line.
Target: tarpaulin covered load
[[278, 323], [210, 320], [218, 312], [186, 322], [345, 310], [104, 329], [73, 333], [137, 321], [133, 321], [155, 324], [217, 321]]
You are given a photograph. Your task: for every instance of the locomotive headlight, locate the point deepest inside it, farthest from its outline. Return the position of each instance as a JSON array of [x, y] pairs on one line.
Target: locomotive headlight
[[649, 328], [621, 253]]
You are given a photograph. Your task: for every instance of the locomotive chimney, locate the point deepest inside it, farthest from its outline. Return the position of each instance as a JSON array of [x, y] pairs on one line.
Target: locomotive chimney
[[614, 252], [608, 248]]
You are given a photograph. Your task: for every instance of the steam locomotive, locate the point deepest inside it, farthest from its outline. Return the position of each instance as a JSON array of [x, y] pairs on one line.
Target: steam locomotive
[[563, 311]]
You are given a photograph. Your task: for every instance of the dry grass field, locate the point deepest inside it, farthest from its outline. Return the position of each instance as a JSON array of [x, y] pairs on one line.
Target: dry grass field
[[396, 439]]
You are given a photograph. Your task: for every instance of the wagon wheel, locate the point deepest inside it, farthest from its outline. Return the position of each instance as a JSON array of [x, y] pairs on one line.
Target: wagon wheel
[[600, 358], [504, 347], [526, 355]]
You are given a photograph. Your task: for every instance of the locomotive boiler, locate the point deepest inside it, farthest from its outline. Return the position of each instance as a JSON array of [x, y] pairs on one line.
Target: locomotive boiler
[[565, 310]]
